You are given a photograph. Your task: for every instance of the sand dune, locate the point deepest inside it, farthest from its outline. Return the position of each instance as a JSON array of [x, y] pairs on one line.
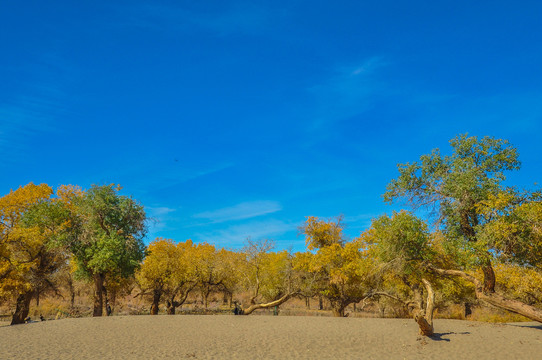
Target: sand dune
[[265, 337]]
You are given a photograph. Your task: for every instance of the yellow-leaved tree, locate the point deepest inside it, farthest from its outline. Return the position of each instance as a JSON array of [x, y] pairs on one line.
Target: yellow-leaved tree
[[31, 222], [168, 272], [268, 276], [343, 273]]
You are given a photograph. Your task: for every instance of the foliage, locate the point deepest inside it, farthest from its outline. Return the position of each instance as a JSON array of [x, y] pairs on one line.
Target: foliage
[[107, 234], [26, 258], [341, 269], [453, 185], [266, 274], [322, 233], [401, 241], [515, 232], [168, 269]]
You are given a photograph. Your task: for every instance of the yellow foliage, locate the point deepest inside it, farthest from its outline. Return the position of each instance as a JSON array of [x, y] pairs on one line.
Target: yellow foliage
[[19, 246], [321, 233]]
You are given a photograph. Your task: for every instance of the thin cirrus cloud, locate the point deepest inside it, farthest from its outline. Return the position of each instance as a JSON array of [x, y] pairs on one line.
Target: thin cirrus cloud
[[348, 91], [235, 236], [24, 118], [245, 210]]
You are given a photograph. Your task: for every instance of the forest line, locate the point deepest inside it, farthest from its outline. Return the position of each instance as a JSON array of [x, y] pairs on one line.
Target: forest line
[[479, 225]]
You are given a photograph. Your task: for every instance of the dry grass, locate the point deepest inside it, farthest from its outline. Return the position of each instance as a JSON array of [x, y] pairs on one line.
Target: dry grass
[[57, 307]]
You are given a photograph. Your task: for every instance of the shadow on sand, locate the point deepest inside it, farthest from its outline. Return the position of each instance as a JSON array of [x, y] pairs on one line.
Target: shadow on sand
[[527, 325], [440, 336]]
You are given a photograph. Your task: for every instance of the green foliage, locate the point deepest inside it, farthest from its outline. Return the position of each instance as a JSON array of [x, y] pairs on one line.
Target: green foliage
[[515, 231], [402, 240], [455, 186], [107, 232]]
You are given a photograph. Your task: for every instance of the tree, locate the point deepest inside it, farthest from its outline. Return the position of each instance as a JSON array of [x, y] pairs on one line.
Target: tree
[[342, 269], [402, 244], [167, 271], [106, 236], [267, 275], [461, 189], [30, 223], [213, 270]]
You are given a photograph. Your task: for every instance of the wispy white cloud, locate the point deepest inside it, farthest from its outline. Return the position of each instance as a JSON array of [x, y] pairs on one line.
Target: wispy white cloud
[[158, 211], [165, 174], [23, 119], [245, 210], [346, 92], [360, 221], [159, 218], [236, 235]]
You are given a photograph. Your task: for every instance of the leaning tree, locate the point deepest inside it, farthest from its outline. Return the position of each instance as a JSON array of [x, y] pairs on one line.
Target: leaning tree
[[482, 219]]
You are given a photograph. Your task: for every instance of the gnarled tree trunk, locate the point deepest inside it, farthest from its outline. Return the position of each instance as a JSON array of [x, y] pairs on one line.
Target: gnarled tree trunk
[[424, 317], [495, 299], [22, 309], [253, 307]]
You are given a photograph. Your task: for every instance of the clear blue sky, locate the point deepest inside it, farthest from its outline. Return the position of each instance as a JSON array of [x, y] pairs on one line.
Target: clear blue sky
[[230, 119]]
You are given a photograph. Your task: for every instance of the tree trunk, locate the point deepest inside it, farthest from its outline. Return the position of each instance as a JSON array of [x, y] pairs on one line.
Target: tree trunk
[[489, 278], [320, 303], [308, 303], [22, 309], [468, 310], [205, 297], [156, 294], [225, 297], [424, 317], [71, 288], [38, 297], [495, 299], [338, 308], [170, 307], [72, 300], [251, 308], [98, 294]]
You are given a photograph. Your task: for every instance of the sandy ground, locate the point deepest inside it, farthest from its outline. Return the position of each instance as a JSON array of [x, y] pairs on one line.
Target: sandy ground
[[265, 337]]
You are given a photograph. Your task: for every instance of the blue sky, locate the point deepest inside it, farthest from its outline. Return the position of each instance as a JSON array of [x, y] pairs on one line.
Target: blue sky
[[236, 119]]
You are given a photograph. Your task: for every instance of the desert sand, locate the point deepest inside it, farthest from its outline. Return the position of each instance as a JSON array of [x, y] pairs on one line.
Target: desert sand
[[265, 337]]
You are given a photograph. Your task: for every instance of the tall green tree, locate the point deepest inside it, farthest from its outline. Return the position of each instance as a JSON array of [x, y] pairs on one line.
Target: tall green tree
[[106, 236], [456, 188]]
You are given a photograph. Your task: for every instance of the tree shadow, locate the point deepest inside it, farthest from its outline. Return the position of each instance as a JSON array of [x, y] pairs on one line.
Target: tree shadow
[[530, 326], [440, 336]]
